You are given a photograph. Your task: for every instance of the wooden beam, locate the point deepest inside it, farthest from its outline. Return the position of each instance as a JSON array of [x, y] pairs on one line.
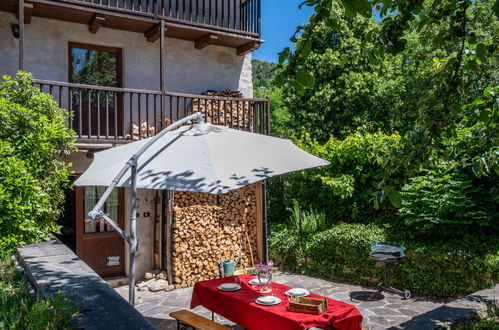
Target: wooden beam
[[28, 12], [259, 220], [21, 34], [153, 33], [96, 23], [247, 48], [205, 40]]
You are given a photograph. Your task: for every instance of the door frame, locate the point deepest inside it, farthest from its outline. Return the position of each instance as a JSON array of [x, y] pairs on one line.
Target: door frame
[[81, 236]]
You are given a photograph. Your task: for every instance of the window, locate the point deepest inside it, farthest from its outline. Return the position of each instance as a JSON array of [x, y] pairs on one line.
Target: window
[[96, 112], [91, 196], [95, 65]]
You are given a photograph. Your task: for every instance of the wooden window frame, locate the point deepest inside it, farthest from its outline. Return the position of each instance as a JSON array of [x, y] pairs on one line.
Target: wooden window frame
[[80, 217], [116, 50]]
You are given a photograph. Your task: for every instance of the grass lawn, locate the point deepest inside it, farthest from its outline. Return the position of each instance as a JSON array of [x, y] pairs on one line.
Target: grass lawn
[[21, 310]]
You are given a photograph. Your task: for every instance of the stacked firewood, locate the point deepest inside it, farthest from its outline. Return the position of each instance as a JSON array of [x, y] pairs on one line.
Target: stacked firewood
[[225, 93], [145, 130], [230, 113], [208, 229]]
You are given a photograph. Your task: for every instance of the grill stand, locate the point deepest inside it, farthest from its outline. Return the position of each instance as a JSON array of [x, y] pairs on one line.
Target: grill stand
[[384, 286]]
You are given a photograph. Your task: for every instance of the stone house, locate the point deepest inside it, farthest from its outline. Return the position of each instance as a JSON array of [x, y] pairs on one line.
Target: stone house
[[126, 69]]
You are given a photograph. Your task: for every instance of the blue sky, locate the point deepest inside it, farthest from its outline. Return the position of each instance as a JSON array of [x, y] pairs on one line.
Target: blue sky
[[279, 21]]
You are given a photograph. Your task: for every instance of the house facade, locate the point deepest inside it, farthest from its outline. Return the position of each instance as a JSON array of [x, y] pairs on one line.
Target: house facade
[[126, 69]]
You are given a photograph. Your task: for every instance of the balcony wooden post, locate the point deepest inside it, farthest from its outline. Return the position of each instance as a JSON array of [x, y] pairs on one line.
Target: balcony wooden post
[[21, 35], [268, 114], [162, 54], [259, 17], [162, 70]]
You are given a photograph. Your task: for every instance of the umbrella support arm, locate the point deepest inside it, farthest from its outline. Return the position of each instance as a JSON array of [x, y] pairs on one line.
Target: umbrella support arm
[[97, 212]]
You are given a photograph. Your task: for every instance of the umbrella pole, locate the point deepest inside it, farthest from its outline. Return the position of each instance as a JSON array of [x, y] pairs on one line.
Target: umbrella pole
[[133, 233]]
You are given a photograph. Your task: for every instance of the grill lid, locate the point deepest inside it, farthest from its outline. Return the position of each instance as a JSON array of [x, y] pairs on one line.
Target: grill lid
[[387, 251]]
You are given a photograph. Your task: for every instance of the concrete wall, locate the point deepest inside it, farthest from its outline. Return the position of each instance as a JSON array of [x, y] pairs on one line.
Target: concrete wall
[[188, 70], [145, 230]]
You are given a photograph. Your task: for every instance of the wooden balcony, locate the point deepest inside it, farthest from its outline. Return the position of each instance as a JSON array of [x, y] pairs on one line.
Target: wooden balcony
[[107, 116], [230, 23]]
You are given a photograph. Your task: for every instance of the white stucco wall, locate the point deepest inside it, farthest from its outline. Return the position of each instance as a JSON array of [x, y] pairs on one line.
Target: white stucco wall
[[145, 230], [188, 70]]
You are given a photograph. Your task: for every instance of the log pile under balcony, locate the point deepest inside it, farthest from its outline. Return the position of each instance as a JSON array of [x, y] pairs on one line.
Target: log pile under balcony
[[208, 229], [232, 113]]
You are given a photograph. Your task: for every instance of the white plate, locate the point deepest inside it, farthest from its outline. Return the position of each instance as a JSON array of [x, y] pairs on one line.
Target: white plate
[[297, 292], [254, 281], [229, 287], [267, 300]]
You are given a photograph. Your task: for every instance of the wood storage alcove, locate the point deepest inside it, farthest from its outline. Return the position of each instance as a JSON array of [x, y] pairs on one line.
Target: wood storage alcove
[[206, 229]]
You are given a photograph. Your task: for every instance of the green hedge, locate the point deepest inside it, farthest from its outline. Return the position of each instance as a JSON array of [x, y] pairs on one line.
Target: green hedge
[[342, 253]]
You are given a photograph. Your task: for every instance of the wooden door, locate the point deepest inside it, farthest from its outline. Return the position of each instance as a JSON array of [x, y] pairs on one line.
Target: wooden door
[[97, 243]]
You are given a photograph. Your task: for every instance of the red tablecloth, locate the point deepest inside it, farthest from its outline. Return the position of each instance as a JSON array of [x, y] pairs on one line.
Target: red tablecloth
[[240, 308]]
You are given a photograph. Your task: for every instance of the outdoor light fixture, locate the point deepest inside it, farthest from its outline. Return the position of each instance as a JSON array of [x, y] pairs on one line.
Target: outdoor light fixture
[[16, 32]]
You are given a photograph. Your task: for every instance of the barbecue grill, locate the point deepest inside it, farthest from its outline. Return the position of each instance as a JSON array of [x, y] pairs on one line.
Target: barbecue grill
[[387, 252]]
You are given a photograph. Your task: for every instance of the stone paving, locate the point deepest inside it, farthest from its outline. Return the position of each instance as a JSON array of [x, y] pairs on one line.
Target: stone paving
[[386, 311]]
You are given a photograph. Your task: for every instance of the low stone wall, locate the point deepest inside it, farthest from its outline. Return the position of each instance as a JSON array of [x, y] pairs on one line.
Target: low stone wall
[[53, 268]]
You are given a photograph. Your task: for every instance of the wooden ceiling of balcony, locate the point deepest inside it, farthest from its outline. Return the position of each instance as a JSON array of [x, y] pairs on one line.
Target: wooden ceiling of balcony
[[134, 23]]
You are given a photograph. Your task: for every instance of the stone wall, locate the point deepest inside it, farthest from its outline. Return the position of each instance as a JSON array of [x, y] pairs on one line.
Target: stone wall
[[53, 268]]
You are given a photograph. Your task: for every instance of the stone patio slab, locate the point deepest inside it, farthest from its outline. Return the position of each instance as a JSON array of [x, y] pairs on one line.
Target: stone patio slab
[[386, 311]]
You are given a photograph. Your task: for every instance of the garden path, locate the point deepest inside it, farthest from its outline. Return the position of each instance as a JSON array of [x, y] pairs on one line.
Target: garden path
[[380, 312]]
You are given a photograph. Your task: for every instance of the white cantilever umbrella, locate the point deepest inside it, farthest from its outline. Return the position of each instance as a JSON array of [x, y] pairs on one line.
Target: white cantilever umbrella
[[199, 158]]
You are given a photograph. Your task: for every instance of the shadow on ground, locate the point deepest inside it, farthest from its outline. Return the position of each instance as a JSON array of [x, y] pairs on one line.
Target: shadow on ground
[[366, 296], [436, 318]]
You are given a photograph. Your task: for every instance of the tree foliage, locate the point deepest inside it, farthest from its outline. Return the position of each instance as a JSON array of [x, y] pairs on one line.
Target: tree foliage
[[446, 53], [262, 73], [342, 190], [348, 90], [446, 203], [33, 134]]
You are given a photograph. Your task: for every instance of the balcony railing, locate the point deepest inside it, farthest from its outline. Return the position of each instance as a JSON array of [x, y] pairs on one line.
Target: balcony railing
[[232, 15], [122, 115]]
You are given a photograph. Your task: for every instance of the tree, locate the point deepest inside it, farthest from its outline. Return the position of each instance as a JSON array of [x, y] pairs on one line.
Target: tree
[[348, 90], [263, 73], [33, 135], [459, 66]]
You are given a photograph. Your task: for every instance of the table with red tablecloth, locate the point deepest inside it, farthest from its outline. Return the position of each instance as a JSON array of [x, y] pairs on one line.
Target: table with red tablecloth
[[240, 307]]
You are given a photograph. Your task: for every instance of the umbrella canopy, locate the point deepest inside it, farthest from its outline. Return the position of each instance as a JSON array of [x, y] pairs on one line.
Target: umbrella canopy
[[201, 158]]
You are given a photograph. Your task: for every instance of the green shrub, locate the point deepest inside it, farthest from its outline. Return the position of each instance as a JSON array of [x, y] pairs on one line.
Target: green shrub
[[307, 222], [448, 203], [287, 245], [20, 310], [342, 253], [342, 190], [33, 133]]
